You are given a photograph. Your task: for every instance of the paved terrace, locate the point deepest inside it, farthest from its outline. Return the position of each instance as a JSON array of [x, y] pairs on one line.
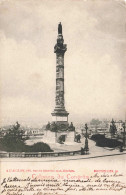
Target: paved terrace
[[94, 152]]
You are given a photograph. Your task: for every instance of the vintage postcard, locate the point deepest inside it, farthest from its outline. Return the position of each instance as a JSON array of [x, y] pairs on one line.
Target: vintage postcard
[[62, 97]]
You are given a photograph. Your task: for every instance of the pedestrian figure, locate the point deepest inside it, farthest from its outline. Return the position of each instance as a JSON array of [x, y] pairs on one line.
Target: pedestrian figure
[[121, 148]]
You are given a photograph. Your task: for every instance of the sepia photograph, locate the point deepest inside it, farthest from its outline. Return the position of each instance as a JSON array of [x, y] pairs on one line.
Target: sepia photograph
[[62, 97]]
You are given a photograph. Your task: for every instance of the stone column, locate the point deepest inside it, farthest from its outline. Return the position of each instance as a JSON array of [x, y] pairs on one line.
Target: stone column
[[59, 80], [60, 114]]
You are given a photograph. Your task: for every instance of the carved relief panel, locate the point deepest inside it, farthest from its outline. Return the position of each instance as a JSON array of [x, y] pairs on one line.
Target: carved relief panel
[[59, 85], [59, 72], [60, 60], [60, 98], [59, 93]]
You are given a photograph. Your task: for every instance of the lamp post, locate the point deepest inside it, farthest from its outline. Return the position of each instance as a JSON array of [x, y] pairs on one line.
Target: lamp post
[[124, 127], [82, 132], [86, 149]]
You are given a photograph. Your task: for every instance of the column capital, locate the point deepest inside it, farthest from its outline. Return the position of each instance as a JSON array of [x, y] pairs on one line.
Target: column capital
[[60, 48]]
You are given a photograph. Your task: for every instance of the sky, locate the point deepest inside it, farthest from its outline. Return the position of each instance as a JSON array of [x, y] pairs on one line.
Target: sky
[[95, 61]]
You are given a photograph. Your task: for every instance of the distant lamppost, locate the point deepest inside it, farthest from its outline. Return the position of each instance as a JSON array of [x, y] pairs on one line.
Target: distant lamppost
[[82, 132], [86, 149], [124, 127]]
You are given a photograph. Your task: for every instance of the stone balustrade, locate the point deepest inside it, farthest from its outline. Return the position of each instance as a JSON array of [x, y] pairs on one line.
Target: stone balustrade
[[37, 154]]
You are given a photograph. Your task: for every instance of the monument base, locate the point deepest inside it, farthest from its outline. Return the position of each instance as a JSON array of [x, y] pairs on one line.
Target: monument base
[[57, 126], [58, 137], [59, 132], [49, 136], [68, 136]]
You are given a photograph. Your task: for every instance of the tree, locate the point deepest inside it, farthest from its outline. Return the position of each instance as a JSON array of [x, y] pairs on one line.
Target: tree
[[14, 139], [113, 128]]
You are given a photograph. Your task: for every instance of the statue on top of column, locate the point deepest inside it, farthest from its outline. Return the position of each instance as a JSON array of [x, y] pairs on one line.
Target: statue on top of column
[[60, 47], [60, 28]]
